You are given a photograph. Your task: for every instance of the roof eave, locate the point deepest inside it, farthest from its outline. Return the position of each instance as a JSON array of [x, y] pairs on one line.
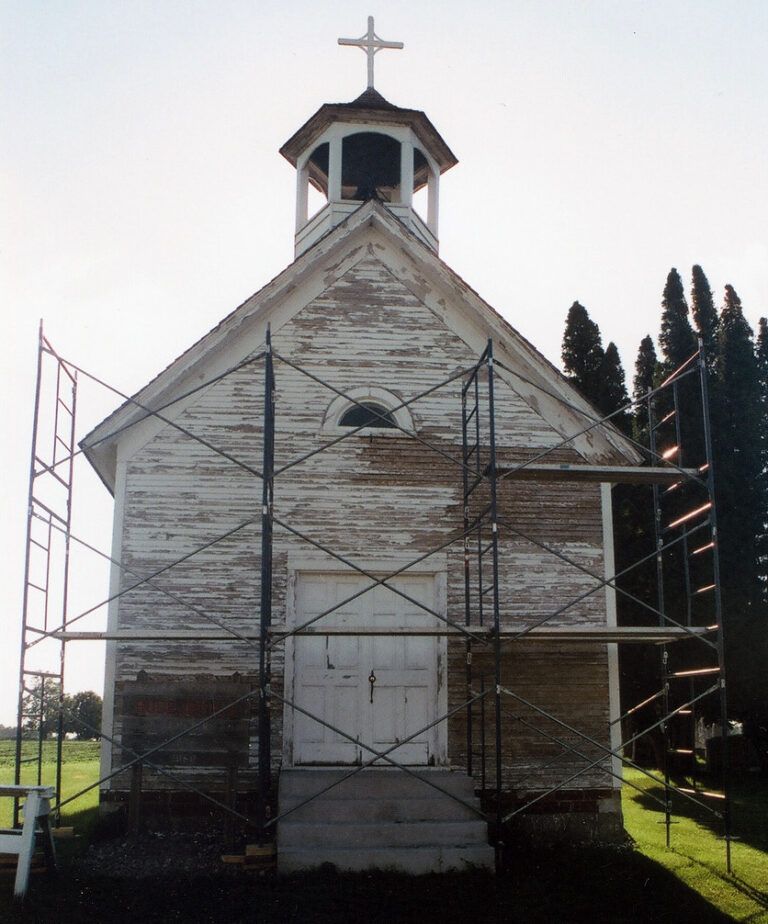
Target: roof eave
[[425, 131]]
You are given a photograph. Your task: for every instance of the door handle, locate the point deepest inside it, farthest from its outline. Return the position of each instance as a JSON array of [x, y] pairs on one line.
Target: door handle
[[372, 680]]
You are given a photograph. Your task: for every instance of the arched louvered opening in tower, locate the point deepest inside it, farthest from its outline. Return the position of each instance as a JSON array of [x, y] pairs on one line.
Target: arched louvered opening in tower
[[370, 167]]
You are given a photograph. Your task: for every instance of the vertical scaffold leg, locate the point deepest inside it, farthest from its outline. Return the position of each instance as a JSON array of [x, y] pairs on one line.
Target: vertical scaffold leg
[[492, 476], [724, 728], [265, 761]]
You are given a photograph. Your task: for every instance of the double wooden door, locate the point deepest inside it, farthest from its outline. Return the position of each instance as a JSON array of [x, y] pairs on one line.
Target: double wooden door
[[375, 691]]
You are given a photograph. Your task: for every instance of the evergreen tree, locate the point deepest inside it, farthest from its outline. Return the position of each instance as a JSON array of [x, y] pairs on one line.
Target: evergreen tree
[[633, 529], [762, 358], [676, 339], [762, 539], [647, 369], [762, 361], [704, 312], [707, 325], [678, 343], [583, 353], [634, 526], [613, 390], [738, 447]]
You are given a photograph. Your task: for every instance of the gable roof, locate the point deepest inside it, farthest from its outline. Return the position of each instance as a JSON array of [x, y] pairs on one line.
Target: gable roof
[[371, 229]]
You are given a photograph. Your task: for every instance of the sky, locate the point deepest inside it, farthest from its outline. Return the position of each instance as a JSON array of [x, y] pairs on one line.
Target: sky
[[600, 143]]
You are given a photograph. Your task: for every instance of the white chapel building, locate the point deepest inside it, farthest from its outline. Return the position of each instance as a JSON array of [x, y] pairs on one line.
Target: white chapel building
[[330, 558]]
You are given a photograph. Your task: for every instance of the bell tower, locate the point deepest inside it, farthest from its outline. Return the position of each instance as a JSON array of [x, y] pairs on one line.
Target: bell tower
[[367, 149]]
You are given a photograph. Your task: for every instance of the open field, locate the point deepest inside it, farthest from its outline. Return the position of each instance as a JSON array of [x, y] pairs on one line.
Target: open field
[[81, 766], [647, 883]]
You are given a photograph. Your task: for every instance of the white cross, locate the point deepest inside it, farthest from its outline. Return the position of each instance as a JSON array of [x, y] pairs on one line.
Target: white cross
[[370, 43]]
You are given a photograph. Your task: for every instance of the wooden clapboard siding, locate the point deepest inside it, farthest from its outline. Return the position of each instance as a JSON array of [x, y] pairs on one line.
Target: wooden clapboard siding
[[563, 680], [366, 497]]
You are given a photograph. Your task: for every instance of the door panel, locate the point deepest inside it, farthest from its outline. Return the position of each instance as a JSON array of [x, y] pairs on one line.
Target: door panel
[[331, 675]]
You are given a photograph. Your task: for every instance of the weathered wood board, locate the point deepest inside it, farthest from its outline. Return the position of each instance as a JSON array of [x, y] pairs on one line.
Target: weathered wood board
[[384, 496]]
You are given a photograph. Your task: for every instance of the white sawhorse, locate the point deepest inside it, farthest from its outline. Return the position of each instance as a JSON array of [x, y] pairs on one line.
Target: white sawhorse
[[22, 843]]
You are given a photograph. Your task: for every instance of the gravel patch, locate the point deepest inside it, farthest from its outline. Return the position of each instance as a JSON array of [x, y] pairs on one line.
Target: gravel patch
[[151, 855]]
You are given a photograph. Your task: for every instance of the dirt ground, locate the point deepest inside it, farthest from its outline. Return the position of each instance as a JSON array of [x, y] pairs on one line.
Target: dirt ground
[[175, 878]]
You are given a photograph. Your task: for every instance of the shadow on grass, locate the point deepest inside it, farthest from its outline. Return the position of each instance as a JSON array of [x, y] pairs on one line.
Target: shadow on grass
[[749, 825], [749, 810], [557, 884], [606, 884]]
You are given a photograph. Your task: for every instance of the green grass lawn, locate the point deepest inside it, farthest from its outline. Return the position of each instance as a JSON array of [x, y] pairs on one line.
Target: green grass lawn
[[696, 855], [687, 882], [80, 768]]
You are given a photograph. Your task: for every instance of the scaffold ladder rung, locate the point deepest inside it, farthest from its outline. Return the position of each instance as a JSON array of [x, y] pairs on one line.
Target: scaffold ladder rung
[[664, 420], [695, 673], [690, 515], [51, 466], [702, 792], [702, 548]]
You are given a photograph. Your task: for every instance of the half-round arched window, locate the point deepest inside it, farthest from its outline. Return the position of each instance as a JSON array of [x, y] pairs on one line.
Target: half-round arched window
[[367, 414], [365, 409]]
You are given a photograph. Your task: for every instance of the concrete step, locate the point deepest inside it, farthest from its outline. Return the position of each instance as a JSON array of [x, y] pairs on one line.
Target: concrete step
[[325, 808], [383, 819], [413, 860], [381, 835], [377, 783]]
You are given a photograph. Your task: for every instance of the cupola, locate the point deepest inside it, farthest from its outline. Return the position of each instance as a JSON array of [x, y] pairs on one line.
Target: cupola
[[367, 149]]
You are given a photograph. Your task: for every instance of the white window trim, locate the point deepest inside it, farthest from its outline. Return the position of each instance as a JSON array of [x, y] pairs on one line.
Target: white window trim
[[341, 404]]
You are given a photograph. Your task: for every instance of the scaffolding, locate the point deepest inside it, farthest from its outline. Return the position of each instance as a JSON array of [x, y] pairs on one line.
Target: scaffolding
[[684, 516], [46, 564]]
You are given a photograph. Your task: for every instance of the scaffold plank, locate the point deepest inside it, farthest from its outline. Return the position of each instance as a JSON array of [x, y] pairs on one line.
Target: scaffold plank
[[611, 474], [601, 634]]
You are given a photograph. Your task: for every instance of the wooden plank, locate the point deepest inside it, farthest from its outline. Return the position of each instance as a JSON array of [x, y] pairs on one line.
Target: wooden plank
[[32, 807], [540, 633], [45, 792], [610, 474], [256, 851], [607, 634], [10, 843], [579, 633], [152, 635]]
